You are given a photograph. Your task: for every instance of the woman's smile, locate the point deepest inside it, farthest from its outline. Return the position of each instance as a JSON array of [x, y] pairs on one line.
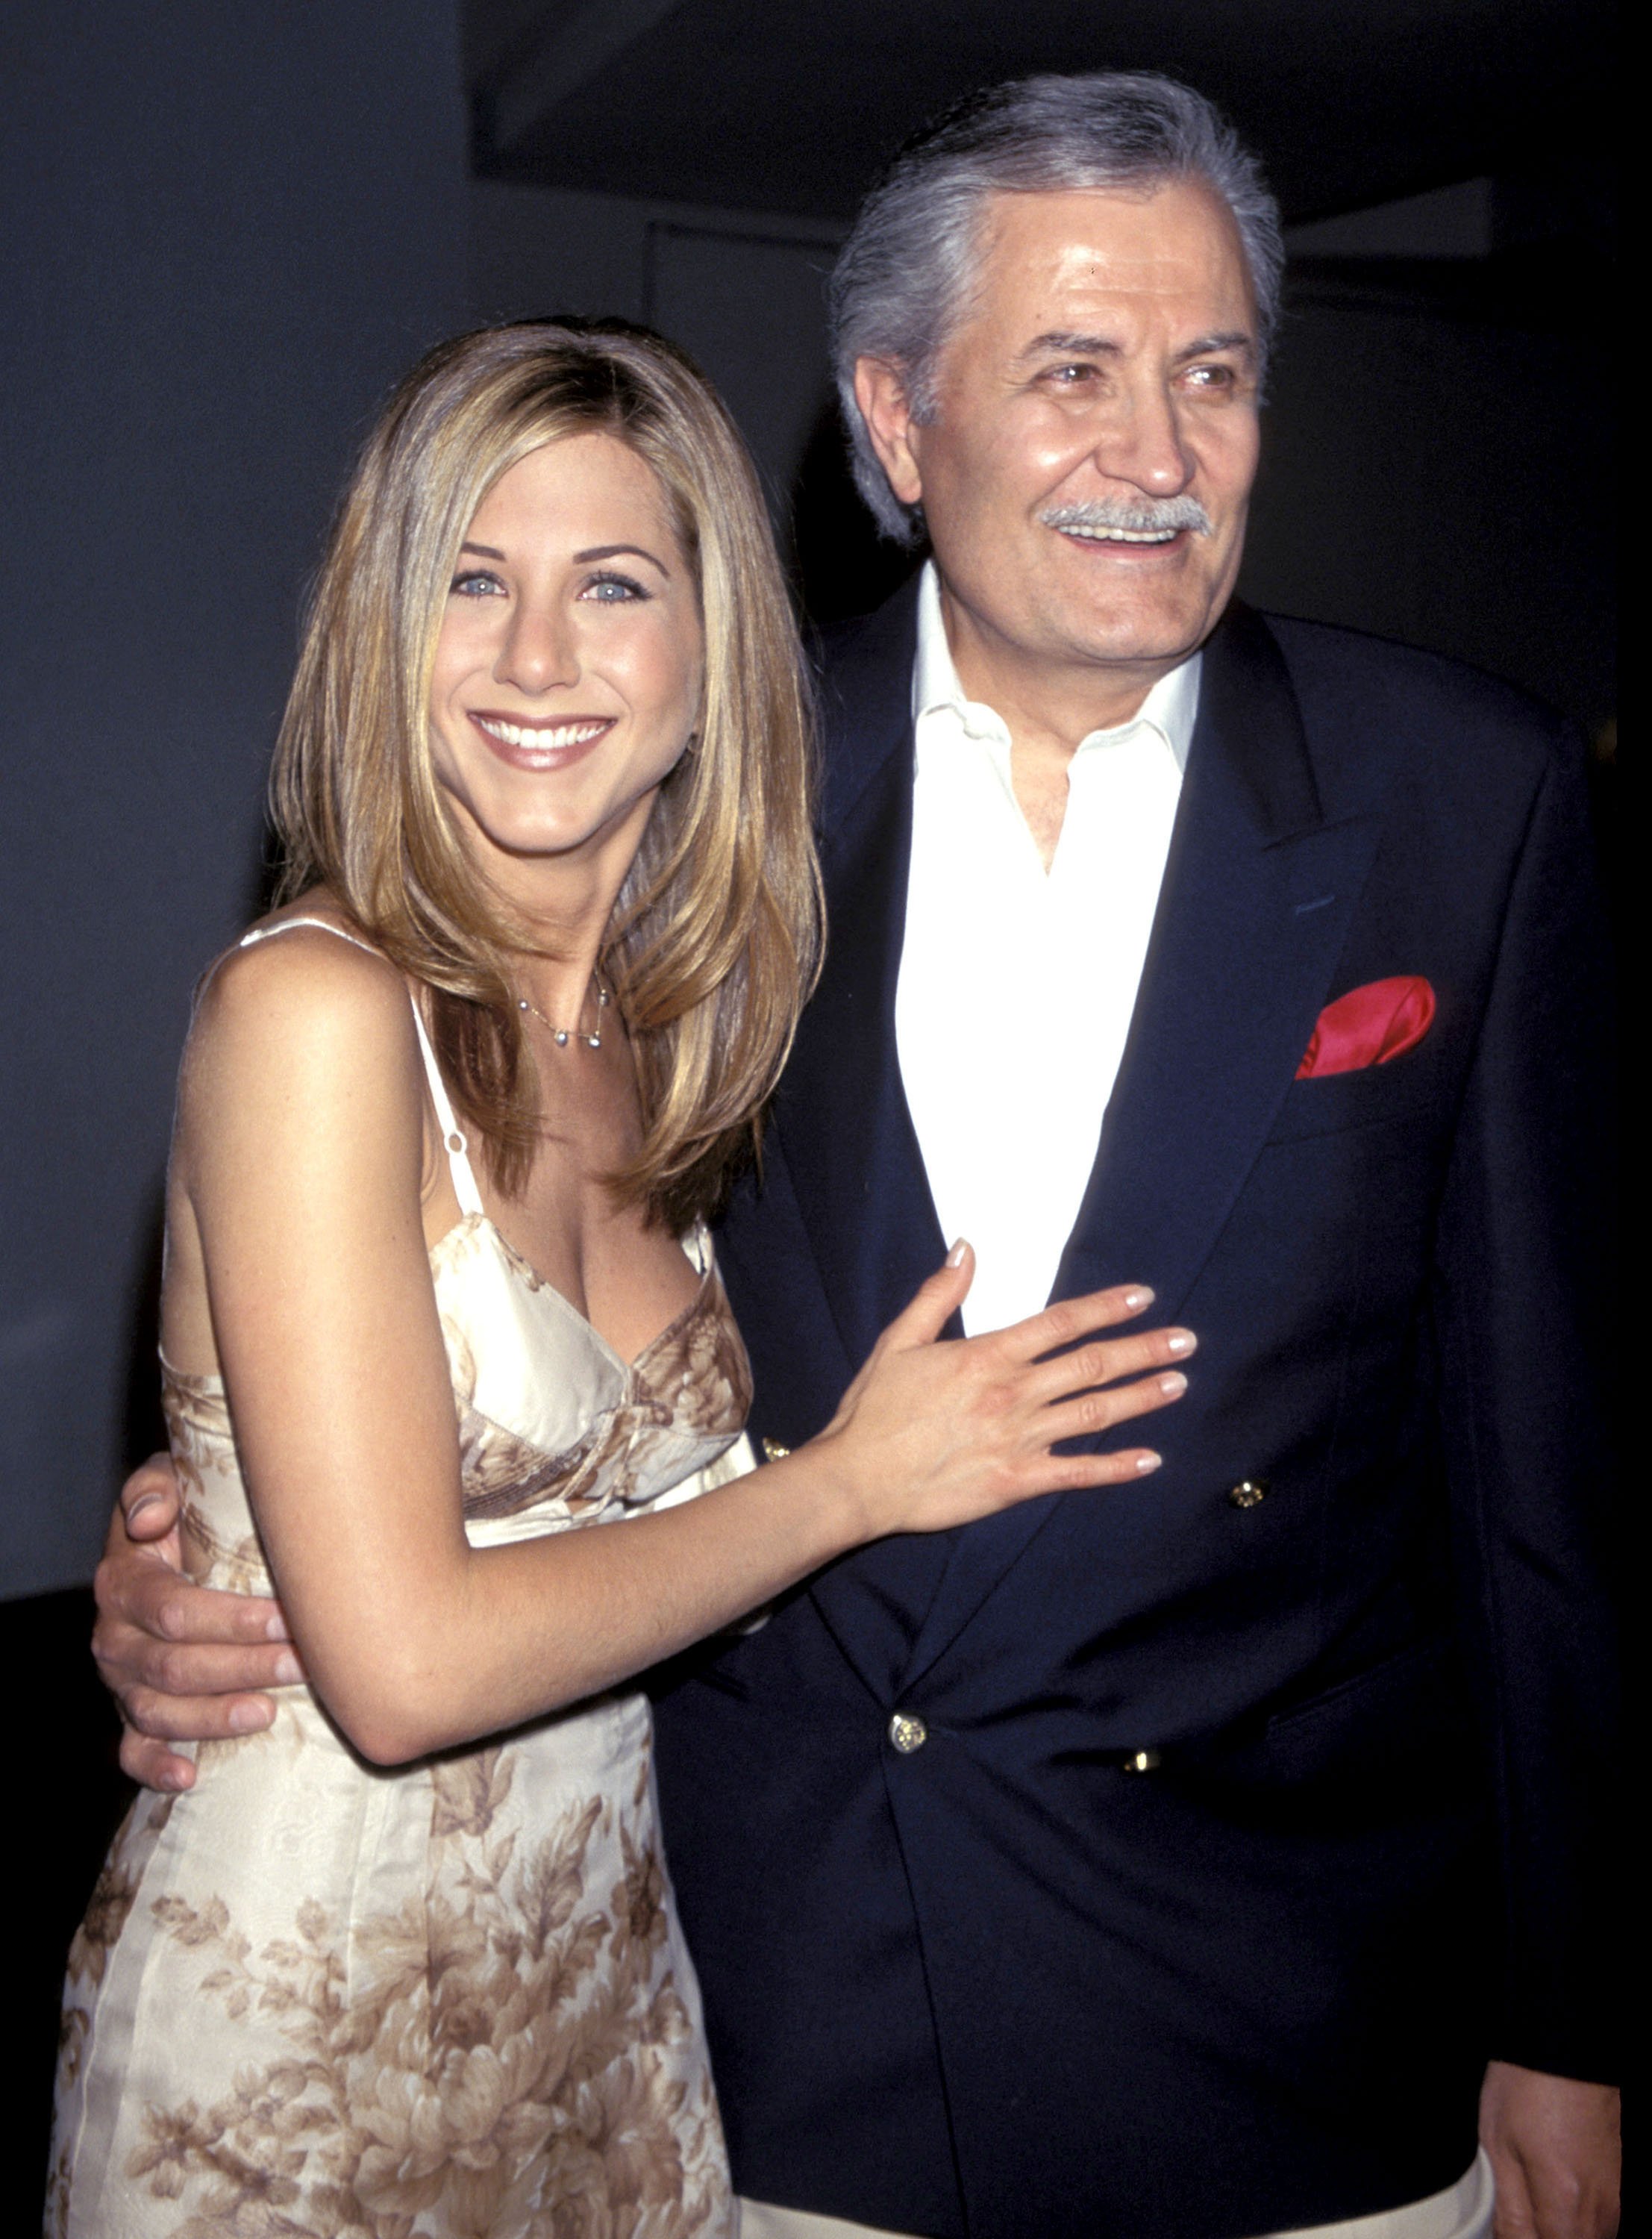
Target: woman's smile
[[539, 745]]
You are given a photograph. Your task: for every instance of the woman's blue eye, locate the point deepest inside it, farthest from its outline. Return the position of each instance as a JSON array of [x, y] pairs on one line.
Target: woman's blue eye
[[474, 585], [613, 590]]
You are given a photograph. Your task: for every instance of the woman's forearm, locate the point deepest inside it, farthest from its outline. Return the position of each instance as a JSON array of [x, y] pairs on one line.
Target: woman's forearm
[[519, 1630]]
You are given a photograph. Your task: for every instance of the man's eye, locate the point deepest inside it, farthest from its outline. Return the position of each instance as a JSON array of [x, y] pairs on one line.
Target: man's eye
[[1069, 377], [1211, 377], [476, 583], [613, 590]]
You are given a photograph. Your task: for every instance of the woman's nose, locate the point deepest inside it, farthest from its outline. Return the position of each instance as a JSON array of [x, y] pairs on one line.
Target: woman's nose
[[540, 650]]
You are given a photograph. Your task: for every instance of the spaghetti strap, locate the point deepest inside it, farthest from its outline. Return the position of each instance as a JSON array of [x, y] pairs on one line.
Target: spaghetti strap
[[453, 1136], [322, 925]]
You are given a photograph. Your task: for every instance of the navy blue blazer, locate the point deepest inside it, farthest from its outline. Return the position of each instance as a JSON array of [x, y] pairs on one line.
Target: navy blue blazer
[[1004, 1985]]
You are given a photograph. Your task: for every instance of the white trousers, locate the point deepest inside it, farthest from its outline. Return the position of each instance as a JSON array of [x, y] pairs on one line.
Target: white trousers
[[1462, 2211]]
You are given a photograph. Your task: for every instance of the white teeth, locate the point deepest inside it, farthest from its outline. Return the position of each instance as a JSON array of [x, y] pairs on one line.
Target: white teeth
[[1123, 535], [566, 735]]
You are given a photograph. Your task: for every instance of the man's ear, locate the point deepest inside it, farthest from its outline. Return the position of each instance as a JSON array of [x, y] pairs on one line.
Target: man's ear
[[880, 391]]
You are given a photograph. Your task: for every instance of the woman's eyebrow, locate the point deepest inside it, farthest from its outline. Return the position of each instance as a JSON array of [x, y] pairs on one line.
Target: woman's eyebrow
[[612, 551], [488, 551]]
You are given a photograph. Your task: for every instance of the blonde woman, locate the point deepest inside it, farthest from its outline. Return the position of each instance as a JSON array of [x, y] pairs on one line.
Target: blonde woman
[[439, 1294]]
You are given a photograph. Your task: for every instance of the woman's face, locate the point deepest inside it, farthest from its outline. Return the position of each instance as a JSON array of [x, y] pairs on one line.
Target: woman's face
[[570, 659]]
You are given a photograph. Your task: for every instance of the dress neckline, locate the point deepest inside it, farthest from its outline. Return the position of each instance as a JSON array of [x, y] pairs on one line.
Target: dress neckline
[[212, 1381], [525, 1268]]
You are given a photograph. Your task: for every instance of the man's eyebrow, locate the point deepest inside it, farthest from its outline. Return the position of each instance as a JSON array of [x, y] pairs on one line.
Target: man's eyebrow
[[1073, 345], [1067, 345], [1234, 338]]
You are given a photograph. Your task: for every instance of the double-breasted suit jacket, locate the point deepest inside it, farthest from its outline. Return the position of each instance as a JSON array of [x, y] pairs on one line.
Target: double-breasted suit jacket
[[1165, 1859]]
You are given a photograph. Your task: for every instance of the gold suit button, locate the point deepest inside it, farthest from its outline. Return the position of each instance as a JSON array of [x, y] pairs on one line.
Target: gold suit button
[[907, 1733], [1142, 1761], [1249, 1493], [773, 1451]]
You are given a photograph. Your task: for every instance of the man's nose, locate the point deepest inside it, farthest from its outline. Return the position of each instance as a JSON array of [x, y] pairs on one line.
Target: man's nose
[[541, 648], [1144, 443]]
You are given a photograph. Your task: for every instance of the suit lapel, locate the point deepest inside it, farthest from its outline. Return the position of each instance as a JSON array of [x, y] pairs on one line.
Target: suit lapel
[[842, 1115], [1257, 895]]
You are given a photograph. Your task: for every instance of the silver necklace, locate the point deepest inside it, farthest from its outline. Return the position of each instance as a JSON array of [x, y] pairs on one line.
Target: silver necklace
[[563, 1035]]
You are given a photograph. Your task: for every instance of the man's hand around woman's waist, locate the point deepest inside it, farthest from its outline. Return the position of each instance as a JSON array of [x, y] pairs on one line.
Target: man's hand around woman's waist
[[184, 1663]]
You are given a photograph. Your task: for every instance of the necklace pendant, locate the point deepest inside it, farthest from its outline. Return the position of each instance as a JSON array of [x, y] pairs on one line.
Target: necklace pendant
[[561, 1036]]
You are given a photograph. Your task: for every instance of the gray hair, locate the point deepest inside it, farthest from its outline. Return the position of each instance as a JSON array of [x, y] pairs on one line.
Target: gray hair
[[905, 269]]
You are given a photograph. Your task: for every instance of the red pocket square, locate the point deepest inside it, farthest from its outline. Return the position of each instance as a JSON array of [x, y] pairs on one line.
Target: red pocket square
[[1369, 1026]]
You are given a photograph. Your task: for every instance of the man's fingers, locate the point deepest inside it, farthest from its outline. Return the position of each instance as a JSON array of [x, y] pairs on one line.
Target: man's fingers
[[188, 1669], [165, 1716], [157, 1601], [1515, 2216], [149, 1499], [153, 1765]]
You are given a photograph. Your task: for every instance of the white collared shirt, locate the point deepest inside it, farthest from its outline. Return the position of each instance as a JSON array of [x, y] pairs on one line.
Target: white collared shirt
[[1016, 985]]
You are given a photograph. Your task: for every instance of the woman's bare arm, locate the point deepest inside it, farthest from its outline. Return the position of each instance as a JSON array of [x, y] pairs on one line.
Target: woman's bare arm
[[300, 1147]]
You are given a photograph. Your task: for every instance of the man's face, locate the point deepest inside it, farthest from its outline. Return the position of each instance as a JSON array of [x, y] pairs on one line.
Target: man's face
[[1100, 389]]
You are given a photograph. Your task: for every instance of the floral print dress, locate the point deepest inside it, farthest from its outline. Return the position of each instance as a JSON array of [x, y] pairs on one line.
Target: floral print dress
[[315, 1999]]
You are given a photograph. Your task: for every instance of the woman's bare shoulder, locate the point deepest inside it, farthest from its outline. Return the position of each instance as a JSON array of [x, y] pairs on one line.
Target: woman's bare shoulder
[[294, 1002], [310, 959]]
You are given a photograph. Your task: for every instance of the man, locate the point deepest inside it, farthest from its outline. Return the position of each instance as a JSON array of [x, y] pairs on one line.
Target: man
[[1171, 1862]]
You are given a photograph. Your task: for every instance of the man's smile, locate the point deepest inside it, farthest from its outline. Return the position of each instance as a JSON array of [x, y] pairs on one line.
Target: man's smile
[[1123, 535], [1119, 524]]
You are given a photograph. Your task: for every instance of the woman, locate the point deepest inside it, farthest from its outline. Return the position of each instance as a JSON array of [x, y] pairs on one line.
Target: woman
[[439, 1293]]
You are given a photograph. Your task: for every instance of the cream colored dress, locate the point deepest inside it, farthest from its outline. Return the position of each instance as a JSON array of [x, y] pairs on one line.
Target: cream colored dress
[[313, 1999]]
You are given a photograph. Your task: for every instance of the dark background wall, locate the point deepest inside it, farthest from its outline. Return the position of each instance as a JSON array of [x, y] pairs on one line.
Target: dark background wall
[[225, 228], [226, 225]]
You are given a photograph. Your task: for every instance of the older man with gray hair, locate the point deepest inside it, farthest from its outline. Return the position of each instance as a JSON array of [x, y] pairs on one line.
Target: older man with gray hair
[[1194, 1861]]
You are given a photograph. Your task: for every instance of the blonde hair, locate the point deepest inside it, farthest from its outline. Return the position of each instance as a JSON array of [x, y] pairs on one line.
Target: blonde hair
[[715, 938]]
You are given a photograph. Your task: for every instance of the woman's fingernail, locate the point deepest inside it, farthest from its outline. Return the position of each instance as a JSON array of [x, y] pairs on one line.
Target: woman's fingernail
[[1146, 1462], [1183, 1341], [955, 1256], [174, 1782], [144, 1500], [288, 1670], [248, 1718], [276, 1627], [1138, 1298], [1171, 1384]]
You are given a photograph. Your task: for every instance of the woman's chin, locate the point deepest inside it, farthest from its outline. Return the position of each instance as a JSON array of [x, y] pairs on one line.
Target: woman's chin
[[575, 840]]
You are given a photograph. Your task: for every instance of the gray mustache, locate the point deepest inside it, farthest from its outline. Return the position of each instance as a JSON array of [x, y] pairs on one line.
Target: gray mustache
[[1146, 512]]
